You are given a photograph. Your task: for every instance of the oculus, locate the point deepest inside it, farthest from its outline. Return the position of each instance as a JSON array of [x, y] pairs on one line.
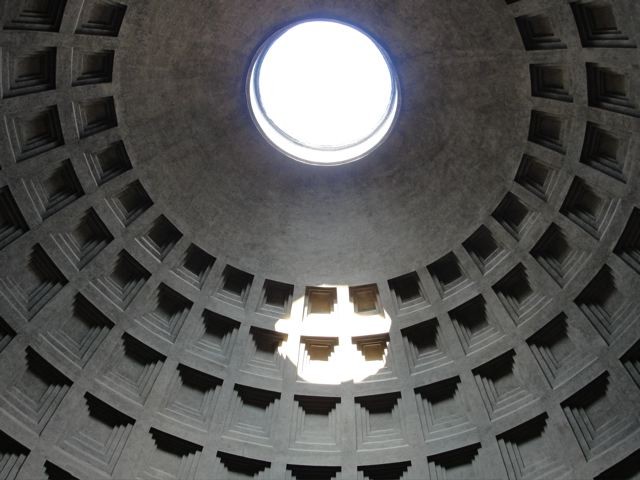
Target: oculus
[[323, 92]]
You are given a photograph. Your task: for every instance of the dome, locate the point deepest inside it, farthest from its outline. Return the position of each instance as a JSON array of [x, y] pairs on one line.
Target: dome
[[182, 299]]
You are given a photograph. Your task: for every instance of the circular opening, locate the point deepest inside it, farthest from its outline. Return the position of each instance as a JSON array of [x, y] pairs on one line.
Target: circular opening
[[323, 92]]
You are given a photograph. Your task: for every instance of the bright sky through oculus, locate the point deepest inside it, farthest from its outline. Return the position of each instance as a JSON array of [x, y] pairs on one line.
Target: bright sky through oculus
[[323, 92]]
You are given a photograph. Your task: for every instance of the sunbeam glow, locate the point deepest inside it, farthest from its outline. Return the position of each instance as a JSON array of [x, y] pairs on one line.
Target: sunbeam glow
[[337, 347]]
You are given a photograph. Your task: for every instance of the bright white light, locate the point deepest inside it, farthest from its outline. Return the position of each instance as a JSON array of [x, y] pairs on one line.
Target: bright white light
[[346, 363], [325, 84], [323, 92]]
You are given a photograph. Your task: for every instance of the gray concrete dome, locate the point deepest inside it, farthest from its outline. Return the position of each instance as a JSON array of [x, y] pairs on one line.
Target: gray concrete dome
[[180, 300]]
